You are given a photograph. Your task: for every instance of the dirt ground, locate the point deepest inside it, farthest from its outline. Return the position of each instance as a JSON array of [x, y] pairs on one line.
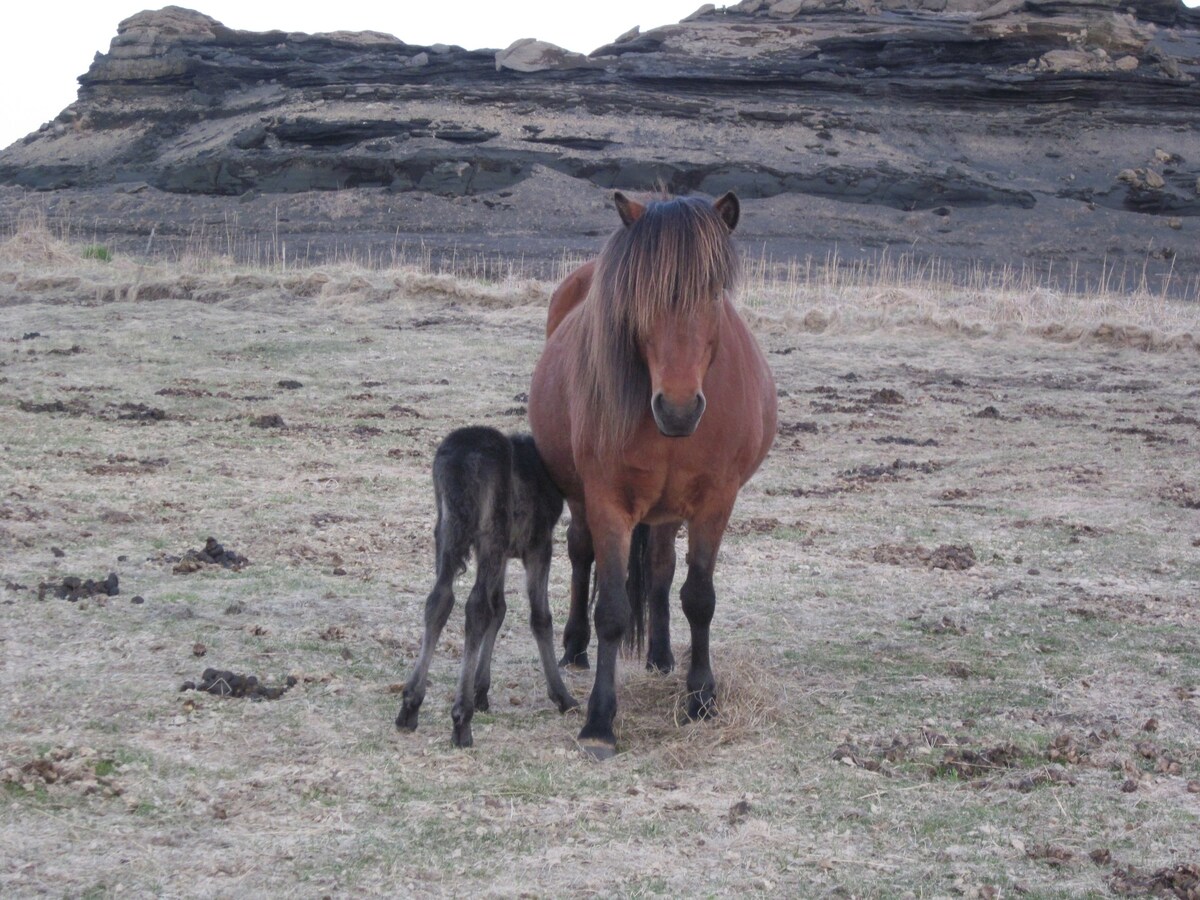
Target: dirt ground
[[955, 640]]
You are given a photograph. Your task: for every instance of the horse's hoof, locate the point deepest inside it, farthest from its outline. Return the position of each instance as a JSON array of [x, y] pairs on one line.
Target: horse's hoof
[[663, 665], [566, 703], [462, 736], [482, 703], [598, 749], [406, 720], [578, 661], [702, 705]]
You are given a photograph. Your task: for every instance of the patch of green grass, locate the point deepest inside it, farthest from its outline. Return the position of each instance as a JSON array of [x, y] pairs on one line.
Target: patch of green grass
[[97, 252]]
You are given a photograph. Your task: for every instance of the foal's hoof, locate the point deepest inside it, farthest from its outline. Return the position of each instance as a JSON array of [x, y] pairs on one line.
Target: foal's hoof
[[406, 720], [462, 735], [702, 705], [565, 703], [598, 749], [574, 660], [482, 704]]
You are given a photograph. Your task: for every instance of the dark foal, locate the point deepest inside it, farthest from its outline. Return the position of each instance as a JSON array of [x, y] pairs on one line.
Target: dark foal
[[494, 495]]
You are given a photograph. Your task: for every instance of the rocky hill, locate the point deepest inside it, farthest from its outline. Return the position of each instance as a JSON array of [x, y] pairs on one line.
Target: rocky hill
[[1060, 135]]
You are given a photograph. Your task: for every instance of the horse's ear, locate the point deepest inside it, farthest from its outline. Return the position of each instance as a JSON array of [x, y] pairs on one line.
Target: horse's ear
[[629, 210], [729, 210]]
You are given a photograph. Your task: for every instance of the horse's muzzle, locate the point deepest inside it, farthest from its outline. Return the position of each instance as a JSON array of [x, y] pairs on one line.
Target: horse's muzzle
[[675, 420]]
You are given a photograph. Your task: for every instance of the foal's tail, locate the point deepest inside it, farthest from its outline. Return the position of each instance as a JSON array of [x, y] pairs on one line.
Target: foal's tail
[[454, 532], [637, 586]]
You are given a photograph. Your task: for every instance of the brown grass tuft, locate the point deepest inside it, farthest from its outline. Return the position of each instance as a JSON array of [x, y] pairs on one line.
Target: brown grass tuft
[[652, 716], [33, 245]]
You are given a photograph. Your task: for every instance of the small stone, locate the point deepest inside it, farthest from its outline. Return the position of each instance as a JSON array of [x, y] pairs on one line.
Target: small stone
[[1175, 223], [1193, 786], [1154, 180], [1129, 786], [198, 649], [139, 600], [1126, 64]]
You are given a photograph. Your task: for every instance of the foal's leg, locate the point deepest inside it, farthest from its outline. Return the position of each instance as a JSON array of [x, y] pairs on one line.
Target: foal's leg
[[578, 633], [661, 563], [437, 611], [489, 577], [483, 673], [537, 581], [699, 601], [613, 621]]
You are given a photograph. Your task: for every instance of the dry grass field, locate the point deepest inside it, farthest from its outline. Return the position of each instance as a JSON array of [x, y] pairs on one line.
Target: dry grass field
[[956, 637]]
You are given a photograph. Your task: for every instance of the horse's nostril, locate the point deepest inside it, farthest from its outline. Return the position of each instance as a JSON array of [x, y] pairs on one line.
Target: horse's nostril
[[677, 420]]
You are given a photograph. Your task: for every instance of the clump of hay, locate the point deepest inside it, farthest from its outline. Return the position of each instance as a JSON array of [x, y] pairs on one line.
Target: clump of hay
[[652, 714], [33, 245]]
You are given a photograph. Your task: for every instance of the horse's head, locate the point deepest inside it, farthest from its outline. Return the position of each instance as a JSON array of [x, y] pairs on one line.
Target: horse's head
[[687, 266]]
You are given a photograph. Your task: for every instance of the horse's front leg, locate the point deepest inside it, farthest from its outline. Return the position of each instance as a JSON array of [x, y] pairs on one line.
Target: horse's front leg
[[661, 571], [613, 622], [699, 601], [537, 580], [578, 633]]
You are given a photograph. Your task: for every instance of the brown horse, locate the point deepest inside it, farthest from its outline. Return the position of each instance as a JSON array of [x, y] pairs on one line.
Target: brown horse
[[652, 404]]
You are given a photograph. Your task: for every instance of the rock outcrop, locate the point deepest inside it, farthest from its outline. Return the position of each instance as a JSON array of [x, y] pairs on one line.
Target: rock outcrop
[[1058, 133]]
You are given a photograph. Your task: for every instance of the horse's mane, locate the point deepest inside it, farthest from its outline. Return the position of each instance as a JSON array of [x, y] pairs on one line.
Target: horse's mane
[[676, 258]]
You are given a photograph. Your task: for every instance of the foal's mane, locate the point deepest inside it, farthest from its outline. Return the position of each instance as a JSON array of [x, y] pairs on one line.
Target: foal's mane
[[676, 259]]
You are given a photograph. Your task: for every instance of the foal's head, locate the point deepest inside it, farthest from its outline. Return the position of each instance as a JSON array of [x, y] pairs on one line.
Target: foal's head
[[663, 279]]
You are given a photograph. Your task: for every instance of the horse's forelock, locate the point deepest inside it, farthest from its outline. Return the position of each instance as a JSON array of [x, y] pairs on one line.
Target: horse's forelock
[[676, 259]]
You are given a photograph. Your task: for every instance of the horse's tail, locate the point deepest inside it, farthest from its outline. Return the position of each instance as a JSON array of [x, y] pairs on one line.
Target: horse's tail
[[637, 586], [454, 532]]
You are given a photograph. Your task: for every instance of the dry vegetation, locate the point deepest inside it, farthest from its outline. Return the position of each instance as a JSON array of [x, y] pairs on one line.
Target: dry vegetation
[[956, 634]]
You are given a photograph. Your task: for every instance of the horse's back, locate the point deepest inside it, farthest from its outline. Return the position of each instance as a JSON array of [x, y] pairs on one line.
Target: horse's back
[[569, 295], [550, 408]]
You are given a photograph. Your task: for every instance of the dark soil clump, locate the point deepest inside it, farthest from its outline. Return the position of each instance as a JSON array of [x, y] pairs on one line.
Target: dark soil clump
[[74, 408], [74, 589], [950, 557], [224, 683], [213, 554], [1182, 881], [139, 412]]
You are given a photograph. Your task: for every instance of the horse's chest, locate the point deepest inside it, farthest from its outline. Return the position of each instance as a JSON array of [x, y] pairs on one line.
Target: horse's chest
[[681, 495]]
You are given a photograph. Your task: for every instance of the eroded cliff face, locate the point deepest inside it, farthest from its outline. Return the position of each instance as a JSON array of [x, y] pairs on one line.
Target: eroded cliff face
[[1017, 131]]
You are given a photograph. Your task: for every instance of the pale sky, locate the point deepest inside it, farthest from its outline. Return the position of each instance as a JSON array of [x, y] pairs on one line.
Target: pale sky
[[45, 46]]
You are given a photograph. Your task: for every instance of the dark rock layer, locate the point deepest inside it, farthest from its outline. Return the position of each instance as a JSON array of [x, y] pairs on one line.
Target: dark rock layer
[[1044, 133]]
